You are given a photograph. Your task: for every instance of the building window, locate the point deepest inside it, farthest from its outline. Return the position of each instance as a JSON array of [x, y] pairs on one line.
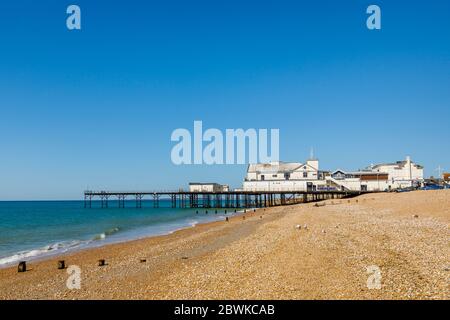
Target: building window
[[262, 177], [287, 176], [274, 176], [305, 174]]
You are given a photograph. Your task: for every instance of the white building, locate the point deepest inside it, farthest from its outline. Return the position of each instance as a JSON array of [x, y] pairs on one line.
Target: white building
[[380, 177], [207, 187], [358, 181], [284, 176], [296, 176], [401, 173]]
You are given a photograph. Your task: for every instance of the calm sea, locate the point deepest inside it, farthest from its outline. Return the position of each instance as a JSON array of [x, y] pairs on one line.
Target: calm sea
[[34, 229]]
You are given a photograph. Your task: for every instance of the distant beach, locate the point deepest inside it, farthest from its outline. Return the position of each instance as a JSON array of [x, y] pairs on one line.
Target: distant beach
[[292, 252]]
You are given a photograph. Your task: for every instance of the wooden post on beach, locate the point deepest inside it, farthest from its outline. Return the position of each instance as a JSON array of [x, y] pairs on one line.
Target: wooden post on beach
[[22, 267], [61, 264]]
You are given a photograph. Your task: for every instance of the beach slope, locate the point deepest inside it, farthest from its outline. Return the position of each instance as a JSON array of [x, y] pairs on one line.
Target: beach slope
[[267, 256]]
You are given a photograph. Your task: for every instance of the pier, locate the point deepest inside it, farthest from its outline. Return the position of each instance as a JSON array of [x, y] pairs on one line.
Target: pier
[[231, 199]]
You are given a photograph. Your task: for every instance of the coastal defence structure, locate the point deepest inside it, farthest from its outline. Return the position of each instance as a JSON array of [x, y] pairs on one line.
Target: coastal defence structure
[[215, 199]]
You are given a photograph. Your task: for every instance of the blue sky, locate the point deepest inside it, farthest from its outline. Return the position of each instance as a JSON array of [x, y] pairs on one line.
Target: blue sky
[[97, 107]]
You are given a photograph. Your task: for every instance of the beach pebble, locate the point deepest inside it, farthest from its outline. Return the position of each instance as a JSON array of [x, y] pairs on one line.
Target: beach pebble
[[415, 216], [299, 227], [305, 227], [323, 231]]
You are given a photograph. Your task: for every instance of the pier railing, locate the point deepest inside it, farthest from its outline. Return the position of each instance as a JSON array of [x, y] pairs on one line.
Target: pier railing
[[225, 199]]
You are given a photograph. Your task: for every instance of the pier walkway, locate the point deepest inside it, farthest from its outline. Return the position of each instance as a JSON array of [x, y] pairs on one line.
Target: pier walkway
[[231, 199]]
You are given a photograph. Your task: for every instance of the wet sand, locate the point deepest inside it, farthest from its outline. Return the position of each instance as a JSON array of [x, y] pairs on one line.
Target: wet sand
[[265, 256]]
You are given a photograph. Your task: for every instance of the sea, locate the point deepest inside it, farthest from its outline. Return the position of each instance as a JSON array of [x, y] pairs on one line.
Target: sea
[[32, 230]]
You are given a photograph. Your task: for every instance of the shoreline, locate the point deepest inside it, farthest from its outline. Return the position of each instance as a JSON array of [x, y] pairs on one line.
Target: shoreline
[[95, 244], [268, 257]]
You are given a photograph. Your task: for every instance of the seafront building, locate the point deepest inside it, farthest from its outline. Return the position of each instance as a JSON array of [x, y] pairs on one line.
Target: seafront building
[[208, 187], [401, 173], [296, 176], [284, 176]]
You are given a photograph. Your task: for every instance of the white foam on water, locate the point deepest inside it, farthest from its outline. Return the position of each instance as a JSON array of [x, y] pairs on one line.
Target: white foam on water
[[40, 252]]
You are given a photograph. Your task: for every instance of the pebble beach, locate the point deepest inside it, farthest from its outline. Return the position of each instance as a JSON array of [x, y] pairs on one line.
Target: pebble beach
[[300, 251]]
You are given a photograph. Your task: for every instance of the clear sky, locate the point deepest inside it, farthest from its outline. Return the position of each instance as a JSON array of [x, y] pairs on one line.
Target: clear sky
[[96, 107]]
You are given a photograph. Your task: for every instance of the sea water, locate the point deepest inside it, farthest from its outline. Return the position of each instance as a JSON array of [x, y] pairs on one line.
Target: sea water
[[35, 229]]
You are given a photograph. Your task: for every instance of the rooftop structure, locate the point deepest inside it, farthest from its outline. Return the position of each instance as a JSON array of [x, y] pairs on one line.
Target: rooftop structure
[[207, 187]]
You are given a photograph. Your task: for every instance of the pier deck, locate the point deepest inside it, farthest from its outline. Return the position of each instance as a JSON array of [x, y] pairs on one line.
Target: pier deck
[[231, 199]]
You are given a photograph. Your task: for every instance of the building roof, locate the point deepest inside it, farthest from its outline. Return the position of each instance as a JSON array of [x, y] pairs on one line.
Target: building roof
[[359, 172], [277, 166], [203, 183], [397, 164]]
